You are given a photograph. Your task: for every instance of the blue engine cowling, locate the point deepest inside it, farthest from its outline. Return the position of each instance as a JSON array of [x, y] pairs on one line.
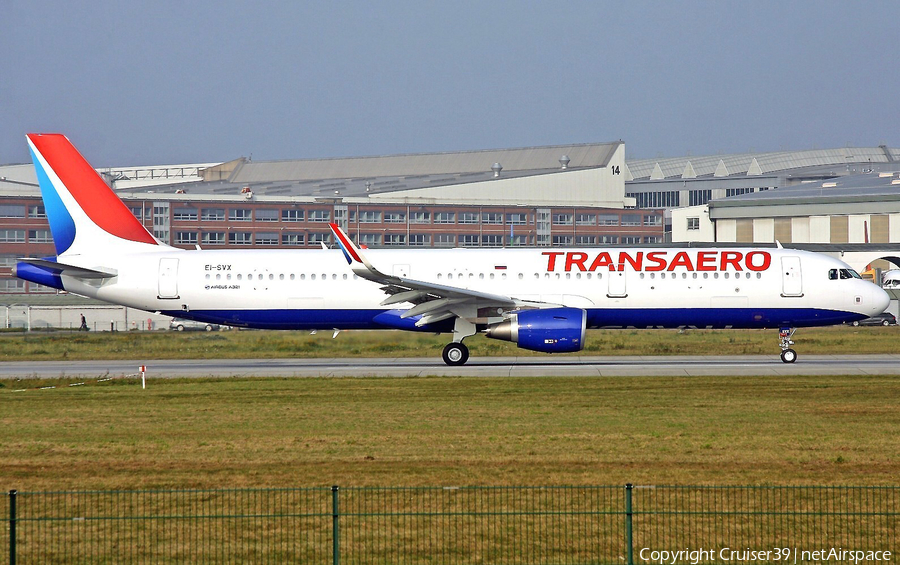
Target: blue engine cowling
[[554, 330]]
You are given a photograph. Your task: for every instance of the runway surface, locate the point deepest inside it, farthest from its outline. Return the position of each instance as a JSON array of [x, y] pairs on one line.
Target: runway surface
[[749, 365]]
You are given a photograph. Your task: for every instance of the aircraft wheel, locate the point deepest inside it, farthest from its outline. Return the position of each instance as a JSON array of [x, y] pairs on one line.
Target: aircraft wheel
[[854, 323], [788, 355], [455, 354]]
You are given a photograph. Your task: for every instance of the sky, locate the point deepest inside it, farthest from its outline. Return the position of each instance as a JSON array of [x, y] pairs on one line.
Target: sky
[[164, 82]]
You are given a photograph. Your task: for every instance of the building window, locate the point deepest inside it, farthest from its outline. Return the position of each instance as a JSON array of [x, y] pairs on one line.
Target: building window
[[468, 240], [12, 236], [444, 240], [445, 218], [419, 239], [562, 219], [608, 219], [699, 197], [517, 219], [213, 238], [562, 240], [319, 238], [652, 239], [12, 285], [320, 215], [290, 215], [369, 217], [631, 240], [519, 240], [395, 239], [39, 236], [653, 220], [185, 238], [492, 218], [184, 214], [212, 214], [369, 239], [737, 191], [240, 215], [136, 211], [12, 210], [394, 218], [419, 218], [266, 238], [662, 199], [468, 218], [609, 239], [631, 219], [492, 241], [586, 219], [293, 239], [693, 223], [37, 211], [266, 215], [240, 238], [585, 240]]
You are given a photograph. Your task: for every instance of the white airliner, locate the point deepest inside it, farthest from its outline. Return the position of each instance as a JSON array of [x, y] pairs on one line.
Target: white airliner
[[540, 299]]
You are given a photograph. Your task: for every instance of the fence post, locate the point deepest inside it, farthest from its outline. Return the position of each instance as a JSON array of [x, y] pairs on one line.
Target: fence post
[[12, 527], [335, 531], [629, 540]]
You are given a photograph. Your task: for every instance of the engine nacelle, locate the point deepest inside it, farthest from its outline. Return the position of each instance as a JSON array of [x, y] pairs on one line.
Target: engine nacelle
[[554, 330]]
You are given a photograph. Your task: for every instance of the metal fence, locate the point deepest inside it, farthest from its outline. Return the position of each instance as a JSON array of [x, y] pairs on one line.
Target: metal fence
[[604, 524]]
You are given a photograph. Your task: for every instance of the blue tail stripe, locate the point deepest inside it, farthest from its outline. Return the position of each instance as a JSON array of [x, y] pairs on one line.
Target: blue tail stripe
[[62, 226]]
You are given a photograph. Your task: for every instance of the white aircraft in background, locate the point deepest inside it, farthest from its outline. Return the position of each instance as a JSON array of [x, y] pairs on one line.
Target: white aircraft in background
[[540, 299]]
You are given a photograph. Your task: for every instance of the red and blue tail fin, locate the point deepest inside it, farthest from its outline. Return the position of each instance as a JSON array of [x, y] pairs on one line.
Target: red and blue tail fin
[[85, 215]]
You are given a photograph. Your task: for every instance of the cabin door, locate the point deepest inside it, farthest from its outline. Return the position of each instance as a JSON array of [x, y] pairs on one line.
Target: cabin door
[[168, 278], [791, 277]]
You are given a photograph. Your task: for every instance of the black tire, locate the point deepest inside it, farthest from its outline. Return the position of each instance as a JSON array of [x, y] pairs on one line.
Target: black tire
[[788, 356], [179, 328], [455, 354], [886, 323], [208, 328], [854, 323]]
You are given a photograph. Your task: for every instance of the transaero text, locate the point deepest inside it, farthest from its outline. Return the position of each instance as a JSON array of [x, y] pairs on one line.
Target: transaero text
[[658, 260]]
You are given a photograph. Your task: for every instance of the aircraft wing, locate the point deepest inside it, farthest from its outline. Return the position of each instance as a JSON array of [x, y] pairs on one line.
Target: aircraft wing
[[434, 302]]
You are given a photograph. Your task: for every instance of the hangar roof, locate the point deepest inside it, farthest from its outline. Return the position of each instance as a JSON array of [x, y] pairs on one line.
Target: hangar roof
[[757, 163]]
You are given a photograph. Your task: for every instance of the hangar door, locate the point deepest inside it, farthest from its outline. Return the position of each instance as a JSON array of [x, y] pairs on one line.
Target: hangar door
[[168, 278], [791, 277]]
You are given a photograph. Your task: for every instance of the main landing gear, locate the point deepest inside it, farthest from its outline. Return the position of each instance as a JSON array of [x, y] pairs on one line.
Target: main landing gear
[[455, 354], [788, 355]]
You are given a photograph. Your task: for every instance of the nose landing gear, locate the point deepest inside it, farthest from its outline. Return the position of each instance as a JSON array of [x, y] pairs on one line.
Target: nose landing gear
[[788, 355]]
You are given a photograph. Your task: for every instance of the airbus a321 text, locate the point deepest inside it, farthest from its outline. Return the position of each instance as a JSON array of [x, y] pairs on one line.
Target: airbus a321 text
[[541, 299]]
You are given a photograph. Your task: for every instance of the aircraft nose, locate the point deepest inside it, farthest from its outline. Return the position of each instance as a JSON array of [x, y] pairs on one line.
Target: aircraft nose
[[880, 300]]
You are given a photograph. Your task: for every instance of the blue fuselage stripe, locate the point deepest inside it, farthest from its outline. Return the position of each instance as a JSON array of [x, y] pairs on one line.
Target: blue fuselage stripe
[[596, 318]]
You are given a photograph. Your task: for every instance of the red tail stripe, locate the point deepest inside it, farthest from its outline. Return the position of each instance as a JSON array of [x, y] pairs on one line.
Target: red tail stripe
[[97, 200]]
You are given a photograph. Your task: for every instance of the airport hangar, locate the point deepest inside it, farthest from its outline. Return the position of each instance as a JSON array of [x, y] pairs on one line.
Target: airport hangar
[[565, 195]]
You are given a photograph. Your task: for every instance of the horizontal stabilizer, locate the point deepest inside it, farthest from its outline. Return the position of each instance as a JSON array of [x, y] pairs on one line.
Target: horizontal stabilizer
[[68, 270]]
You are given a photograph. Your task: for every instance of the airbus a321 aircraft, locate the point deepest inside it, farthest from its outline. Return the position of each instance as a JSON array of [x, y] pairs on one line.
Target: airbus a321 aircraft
[[540, 299]]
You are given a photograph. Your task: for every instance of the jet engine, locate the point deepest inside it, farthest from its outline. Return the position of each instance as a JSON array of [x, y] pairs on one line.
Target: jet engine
[[554, 330]]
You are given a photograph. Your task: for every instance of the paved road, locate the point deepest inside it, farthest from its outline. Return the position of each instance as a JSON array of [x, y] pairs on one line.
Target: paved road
[[749, 365]]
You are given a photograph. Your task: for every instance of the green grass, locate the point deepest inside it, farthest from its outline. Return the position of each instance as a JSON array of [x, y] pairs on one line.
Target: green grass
[[274, 344], [226, 433]]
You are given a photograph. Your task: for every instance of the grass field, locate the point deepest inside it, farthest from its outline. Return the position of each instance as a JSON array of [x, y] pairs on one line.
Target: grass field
[[273, 344], [452, 431]]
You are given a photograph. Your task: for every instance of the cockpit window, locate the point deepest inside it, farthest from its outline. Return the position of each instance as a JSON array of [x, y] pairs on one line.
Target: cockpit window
[[834, 274]]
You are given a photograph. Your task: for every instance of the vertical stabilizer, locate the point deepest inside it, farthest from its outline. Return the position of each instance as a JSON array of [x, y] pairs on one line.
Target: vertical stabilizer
[[85, 215]]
